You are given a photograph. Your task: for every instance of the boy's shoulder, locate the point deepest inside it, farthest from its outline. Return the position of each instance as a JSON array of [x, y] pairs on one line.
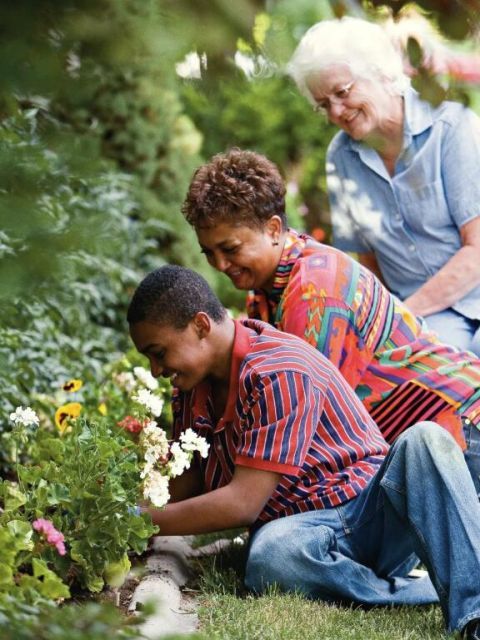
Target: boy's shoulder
[[273, 352]]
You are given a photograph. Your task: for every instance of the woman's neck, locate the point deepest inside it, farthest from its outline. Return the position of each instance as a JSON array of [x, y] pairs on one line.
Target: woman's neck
[[277, 252], [388, 138]]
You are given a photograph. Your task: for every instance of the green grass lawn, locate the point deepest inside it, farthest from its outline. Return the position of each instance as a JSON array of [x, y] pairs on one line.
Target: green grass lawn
[[227, 612]]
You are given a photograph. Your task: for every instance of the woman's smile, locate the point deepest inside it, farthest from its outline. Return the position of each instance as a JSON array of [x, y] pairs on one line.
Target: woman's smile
[[247, 255]]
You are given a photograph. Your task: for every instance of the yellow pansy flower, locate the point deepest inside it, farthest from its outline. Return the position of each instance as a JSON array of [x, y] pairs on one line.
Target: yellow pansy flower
[[65, 412], [102, 408], [72, 385]]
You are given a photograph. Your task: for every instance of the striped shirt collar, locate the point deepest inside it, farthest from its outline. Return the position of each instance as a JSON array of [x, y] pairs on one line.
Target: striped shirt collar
[[242, 344]]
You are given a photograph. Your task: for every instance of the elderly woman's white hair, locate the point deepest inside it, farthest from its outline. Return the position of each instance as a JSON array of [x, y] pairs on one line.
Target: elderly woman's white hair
[[363, 46]]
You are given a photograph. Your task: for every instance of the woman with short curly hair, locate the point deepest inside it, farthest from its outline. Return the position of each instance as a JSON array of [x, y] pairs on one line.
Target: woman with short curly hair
[[235, 187]]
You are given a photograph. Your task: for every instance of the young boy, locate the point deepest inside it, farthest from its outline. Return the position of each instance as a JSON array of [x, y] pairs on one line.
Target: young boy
[[295, 456]]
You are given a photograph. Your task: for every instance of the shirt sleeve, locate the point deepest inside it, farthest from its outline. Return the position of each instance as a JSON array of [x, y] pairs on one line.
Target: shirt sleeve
[[280, 423], [346, 235], [460, 166]]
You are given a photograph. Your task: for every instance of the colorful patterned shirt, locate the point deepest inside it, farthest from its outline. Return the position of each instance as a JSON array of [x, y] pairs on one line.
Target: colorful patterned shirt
[[288, 411], [400, 371]]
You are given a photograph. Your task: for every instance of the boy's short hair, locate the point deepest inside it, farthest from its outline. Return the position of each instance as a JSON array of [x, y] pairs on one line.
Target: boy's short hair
[[238, 187], [173, 295]]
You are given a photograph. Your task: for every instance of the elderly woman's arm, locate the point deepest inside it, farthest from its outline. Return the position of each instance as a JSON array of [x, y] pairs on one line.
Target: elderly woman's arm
[[455, 279]]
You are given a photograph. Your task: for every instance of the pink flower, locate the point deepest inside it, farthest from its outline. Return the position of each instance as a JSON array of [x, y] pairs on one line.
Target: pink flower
[[51, 535]]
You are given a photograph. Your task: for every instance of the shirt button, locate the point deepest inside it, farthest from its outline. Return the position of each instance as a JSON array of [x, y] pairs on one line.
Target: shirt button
[[398, 217], [412, 247]]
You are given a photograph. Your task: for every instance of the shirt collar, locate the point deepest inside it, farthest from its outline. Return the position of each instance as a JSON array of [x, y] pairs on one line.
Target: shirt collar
[[263, 306], [241, 346], [418, 113], [292, 249], [202, 393]]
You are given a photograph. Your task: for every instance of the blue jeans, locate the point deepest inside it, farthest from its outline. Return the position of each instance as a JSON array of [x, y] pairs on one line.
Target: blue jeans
[[472, 452], [421, 504], [455, 329]]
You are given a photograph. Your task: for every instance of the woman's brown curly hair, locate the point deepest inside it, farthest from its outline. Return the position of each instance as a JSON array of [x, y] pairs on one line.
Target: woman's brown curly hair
[[239, 187]]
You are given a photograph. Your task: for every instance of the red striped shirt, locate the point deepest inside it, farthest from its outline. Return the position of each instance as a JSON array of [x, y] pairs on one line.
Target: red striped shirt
[[289, 411]]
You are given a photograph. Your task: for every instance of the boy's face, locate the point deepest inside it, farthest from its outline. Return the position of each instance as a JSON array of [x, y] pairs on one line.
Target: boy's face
[[178, 354]]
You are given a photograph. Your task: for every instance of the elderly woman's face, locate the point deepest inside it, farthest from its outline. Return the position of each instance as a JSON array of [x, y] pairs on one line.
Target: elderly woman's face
[[247, 255], [360, 107]]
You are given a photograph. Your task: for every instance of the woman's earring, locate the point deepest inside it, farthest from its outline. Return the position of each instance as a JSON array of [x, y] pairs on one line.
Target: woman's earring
[[275, 243]]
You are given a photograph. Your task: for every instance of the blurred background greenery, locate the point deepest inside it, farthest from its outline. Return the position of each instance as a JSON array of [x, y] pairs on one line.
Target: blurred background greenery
[[106, 108]]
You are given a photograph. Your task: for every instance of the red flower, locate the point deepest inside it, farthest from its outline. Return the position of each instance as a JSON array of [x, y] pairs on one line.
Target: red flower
[[129, 423]]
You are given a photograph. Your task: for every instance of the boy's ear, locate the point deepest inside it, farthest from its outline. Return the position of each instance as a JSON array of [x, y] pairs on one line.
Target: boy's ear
[[202, 323]]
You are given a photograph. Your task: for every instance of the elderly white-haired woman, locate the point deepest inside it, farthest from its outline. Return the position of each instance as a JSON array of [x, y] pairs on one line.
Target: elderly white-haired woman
[[403, 176]]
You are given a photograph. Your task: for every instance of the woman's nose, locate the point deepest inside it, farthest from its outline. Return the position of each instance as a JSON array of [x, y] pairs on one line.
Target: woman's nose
[[220, 262], [335, 110]]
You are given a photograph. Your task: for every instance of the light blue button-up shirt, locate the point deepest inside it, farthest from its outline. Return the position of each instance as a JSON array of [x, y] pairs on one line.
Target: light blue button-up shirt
[[410, 221]]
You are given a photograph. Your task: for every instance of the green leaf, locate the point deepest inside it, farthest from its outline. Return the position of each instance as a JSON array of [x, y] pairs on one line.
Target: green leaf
[[53, 587], [22, 533], [13, 497], [94, 583], [58, 494], [115, 573], [6, 575], [414, 51]]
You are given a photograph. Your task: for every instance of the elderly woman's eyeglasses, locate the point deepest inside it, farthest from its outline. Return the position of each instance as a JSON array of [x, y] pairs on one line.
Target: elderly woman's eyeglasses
[[337, 97]]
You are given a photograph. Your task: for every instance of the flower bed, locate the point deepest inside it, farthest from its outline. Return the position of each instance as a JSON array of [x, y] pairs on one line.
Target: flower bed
[[69, 517]]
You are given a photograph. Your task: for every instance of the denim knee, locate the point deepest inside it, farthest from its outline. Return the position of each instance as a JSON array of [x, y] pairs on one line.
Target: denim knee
[[426, 448], [279, 550], [427, 435]]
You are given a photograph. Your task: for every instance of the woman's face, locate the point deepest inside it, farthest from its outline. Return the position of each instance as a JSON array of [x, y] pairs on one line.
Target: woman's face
[[247, 255], [362, 108]]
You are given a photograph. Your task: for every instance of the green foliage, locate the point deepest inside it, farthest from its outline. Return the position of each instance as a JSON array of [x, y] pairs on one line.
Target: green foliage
[[15, 547], [44, 621], [87, 483], [263, 110], [115, 573], [456, 19]]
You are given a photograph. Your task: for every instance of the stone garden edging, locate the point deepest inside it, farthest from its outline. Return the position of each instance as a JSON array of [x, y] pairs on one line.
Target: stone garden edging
[[167, 573]]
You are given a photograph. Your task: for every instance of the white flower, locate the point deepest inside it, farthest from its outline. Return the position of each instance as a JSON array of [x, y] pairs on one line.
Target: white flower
[[191, 441], [154, 436], [146, 378], [155, 489], [148, 400], [155, 444], [180, 460], [125, 380], [24, 417]]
